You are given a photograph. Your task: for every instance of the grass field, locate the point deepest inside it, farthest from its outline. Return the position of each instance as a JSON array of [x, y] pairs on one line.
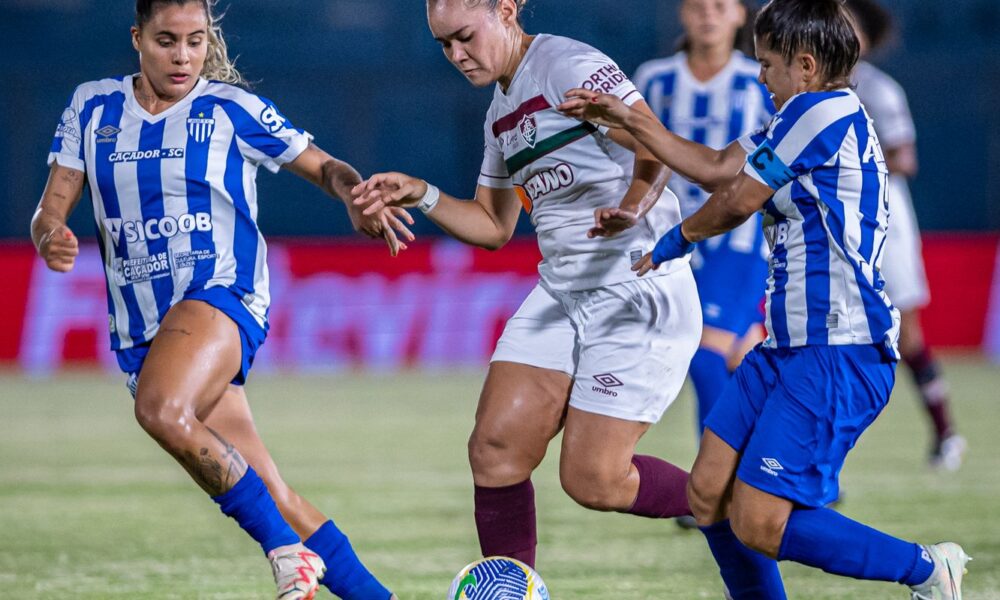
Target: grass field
[[91, 508]]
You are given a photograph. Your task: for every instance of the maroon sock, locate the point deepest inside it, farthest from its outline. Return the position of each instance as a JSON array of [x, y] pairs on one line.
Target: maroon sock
[[933, 391], [662, 489], [505, 520]]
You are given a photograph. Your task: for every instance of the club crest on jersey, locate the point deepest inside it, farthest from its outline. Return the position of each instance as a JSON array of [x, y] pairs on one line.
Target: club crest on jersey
[[529, 129], [200, 128]]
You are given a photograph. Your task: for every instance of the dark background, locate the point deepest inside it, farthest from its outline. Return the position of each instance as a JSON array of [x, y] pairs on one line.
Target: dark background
[[366, 78]]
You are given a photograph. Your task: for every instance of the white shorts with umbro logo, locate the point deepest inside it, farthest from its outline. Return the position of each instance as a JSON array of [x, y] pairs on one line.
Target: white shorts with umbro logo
[[627, 346]]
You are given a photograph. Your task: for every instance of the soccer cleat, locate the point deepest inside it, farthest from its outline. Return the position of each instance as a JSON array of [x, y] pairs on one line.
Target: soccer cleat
[[948, 454], [297, 571], [945, 583]]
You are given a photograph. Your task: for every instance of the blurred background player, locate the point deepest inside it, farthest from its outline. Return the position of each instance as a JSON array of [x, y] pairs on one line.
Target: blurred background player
[[903, 265], [591, 350], [709, 93], [171, 160], [776, 440]]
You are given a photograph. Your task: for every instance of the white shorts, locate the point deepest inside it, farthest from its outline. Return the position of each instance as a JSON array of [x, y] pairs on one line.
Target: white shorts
[[627, 346], [902, 262]]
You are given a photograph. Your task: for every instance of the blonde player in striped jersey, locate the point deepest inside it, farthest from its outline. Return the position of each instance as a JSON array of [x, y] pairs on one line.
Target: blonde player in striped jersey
[[171, 155], [592, 350]]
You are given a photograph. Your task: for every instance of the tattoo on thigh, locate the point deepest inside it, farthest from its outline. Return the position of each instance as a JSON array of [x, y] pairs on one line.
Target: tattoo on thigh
[[175, 330]]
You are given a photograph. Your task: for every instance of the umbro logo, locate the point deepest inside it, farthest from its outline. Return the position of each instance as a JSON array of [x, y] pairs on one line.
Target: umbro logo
[[107, 134], [606, 381], [771, 466]]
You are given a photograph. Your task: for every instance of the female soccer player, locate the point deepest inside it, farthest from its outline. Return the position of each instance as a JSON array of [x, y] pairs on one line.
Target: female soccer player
[[576, 354], [708, 93], [905, 279], [777, 437], [171, 155]]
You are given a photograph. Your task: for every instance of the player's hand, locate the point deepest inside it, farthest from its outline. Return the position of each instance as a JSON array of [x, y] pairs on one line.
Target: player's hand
[[645, 265], [59, 249], [388, 189], [612, 221], [389, 224], [601, 109]]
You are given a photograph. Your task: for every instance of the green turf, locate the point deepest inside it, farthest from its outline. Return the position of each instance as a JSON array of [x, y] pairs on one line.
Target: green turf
[[91, 508]]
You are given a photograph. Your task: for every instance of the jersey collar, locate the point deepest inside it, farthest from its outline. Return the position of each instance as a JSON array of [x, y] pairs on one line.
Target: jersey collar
[[133, 105]]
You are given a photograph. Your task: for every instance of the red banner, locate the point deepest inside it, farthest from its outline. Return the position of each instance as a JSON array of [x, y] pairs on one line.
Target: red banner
[[442, 304]]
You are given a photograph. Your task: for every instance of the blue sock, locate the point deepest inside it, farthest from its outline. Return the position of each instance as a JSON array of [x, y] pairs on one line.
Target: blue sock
[[826, 539], [709, 374], [251, 505], [749, 575], [345, 576]]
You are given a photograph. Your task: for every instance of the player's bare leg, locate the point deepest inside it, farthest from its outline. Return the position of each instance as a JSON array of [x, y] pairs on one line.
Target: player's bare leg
[[232, 418], [520, 410], [948, 448], [746, 573], [191, 361], [346, 576], [710, 486], [595, 464], [744, 345]]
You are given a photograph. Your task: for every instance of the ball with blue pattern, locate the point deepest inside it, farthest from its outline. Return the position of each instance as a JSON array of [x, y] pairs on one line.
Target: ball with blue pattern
[[497, 578]]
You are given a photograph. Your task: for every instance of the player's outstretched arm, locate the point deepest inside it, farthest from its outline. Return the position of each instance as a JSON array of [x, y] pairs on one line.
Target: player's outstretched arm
[[649, 177], [706, 167], [487, 221], [53, 239], [337, 178], [725, 210]]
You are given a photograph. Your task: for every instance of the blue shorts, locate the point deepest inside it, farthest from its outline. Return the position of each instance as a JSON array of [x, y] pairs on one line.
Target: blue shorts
[[251, 334], [731, 273], [794, 413]]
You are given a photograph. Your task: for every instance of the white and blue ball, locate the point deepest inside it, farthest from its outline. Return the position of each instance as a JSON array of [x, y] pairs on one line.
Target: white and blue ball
[[497, 578]]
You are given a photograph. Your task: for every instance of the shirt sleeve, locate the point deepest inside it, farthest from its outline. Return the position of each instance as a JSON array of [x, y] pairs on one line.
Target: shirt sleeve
[[890, 113], [270, 139], [590, 70], [67, 144], [801, 138], [493, 173]]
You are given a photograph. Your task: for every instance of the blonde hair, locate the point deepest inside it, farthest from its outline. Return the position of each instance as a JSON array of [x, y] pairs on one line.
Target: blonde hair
[[491, 4], [218, 65]]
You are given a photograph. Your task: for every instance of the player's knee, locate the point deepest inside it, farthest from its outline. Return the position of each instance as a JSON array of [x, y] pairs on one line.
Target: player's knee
[[592, 487], [758, 530], [705, 498], [164, 420], [494, 459]]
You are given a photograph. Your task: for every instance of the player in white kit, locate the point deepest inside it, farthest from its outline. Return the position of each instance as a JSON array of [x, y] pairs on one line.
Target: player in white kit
[[171, 156], [592, 350], [709, 93], [903, 265]]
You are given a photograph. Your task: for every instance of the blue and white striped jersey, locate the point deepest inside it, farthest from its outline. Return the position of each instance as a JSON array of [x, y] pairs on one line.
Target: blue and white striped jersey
[[713, 113], [826, 223], [174, 194]]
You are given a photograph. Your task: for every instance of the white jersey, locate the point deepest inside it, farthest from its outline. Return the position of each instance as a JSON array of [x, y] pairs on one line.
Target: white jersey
[[563, 169], [174, 194], [713, 113], [826, 223], [885, 101]]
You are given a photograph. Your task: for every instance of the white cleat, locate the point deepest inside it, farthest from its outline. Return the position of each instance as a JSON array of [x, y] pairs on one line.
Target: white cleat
[[297, 571], [945, 583], [949, 455]]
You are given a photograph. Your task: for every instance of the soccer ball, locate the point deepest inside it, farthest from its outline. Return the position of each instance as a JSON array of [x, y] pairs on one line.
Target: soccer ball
[[497, 578]]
